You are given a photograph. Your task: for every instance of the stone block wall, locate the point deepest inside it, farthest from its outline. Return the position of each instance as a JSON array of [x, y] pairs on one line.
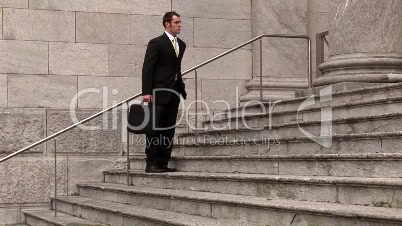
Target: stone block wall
[[85, 55], [216, 27]]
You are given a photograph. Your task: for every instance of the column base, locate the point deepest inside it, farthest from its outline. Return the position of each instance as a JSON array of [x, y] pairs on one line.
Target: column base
[[361, 68]]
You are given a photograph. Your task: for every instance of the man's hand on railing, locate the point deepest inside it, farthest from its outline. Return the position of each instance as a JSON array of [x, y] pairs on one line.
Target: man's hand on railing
[[147, 98]]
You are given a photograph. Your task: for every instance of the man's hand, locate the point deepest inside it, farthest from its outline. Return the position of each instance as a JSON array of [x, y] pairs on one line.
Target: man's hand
[[147, 98]]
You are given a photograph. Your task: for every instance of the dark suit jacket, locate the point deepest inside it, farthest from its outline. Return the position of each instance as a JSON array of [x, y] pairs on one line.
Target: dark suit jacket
[[160, 68]]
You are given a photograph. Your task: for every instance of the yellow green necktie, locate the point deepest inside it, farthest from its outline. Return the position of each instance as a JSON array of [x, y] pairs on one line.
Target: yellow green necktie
[[174, 46]]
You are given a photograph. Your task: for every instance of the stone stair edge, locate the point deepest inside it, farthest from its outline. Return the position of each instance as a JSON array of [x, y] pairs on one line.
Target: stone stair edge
[[297, 123], [312, 157], [313, 109], [329, 180], [170, 218], [357, 136], [61, 220], [343, 210], [341, 93]]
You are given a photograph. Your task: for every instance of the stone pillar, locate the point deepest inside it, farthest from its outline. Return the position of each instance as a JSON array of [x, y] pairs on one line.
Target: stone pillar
[[365, 42]]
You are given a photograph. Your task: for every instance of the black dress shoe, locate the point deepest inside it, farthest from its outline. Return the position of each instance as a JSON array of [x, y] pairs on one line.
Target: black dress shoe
[[167, 169], [154, 169]]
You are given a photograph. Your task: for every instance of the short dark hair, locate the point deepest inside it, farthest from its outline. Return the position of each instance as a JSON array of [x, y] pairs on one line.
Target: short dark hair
[[168, 17]]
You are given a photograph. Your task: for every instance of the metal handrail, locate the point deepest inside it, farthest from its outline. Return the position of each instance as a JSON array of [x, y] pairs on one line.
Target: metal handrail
[[320, 39], [184, 73]]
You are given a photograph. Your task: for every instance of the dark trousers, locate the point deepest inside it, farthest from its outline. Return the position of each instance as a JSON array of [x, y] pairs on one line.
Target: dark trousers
[[159, 146]]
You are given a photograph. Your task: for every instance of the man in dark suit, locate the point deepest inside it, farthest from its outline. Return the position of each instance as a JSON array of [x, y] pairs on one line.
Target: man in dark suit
[[161, 84]]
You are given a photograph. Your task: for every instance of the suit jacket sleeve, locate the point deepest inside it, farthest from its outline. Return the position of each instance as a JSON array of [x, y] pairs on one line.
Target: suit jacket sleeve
[[148, 68]]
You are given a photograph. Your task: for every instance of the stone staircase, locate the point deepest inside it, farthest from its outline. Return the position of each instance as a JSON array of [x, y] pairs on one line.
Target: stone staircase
[[267, 174]]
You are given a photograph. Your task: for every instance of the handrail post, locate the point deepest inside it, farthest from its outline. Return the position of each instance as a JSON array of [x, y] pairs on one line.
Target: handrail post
[[309, 71], [196, 101], [320, 38], [261, 70], [55, 178], [128, 148]]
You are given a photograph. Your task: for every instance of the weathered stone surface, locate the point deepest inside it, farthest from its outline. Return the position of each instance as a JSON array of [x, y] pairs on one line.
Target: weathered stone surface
[[103, 28], [89, 169], [3, 90], [67, 5], [43, 25], [154, 26], [251, 188], [111, 90], [141, 36], [187, 31], [31, 180], [222, 166], [350, 168], [215, 90], [23, 57], [126, 60], [8, 216], [137, 144], [236, 65], [104, 138], [279, 17], [304, 219], [78, 59], [378, 30], [20, 128], [318, 6], [135, 7], [227, 9], [1, 24], [282, 57], [371, 197], [14, 3], [47, 91], [221, 33]]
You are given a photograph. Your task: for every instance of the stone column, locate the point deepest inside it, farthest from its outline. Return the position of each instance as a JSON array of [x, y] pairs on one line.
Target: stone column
[[365, 42]]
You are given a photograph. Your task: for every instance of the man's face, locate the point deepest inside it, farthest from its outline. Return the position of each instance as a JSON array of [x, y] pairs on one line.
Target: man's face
[[174, 26]]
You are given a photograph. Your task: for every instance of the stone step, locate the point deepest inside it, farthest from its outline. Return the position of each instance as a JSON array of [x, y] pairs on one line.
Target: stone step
[[383, 142], [349, 97], [367, 94], [275, 83], [383, 192], [267, 96], [387, 165], [273, 117], [47, 218], [113, 213], [284, 111], [260, 126], [259, 210]]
